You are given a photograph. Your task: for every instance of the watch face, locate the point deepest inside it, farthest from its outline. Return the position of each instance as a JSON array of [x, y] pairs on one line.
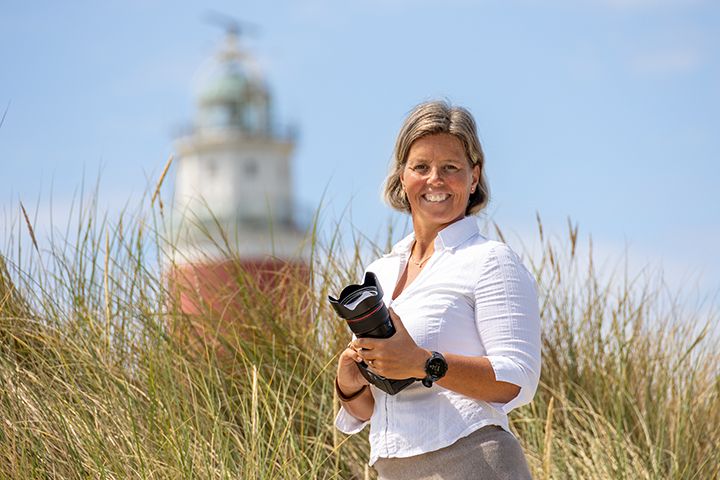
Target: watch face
[[436, 367]]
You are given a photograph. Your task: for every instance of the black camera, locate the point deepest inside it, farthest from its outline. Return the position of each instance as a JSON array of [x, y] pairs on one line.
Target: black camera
[[362, 307]]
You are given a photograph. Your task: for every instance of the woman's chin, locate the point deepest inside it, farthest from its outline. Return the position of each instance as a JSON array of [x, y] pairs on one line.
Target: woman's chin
[[435, 219]]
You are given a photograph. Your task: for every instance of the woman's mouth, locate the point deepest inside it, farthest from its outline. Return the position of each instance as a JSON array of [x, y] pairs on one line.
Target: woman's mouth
[[436, 197]]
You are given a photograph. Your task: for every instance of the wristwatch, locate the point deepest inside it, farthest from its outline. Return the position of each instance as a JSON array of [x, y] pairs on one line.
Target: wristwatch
[[435, 368]]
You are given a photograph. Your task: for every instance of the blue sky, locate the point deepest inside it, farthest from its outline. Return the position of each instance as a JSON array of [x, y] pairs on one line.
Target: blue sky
[[606, 111]]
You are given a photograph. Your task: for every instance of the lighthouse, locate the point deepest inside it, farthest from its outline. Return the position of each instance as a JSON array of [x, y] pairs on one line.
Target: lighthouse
[[233, 206]]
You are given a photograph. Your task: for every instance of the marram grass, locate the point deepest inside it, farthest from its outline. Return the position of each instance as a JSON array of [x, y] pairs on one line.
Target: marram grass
[[100, 376]]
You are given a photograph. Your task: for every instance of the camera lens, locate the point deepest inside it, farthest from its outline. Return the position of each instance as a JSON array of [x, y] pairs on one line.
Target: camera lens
[[363, 308]]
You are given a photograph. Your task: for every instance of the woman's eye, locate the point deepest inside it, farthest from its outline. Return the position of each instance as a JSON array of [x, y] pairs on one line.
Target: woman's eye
[[451, 168], [420, 168]]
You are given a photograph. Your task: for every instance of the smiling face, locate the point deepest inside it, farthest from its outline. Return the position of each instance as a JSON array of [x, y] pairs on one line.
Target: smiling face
[[438, 179]]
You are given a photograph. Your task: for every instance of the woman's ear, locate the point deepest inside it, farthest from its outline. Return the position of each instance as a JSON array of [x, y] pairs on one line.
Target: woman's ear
[[475, 176]]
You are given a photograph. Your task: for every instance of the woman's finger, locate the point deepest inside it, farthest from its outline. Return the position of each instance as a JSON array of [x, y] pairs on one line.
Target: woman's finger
[[351, 354], [399, 325], [366, 343]]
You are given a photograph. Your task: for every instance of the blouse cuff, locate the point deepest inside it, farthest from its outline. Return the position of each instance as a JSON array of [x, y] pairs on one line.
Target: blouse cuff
[[348, 424], [508, 371]]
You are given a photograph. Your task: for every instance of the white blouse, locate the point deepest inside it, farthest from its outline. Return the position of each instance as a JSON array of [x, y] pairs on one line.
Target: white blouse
[[474, 297]]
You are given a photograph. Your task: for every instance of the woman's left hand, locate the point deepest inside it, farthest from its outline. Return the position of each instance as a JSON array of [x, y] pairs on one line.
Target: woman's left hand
[[396, 357]]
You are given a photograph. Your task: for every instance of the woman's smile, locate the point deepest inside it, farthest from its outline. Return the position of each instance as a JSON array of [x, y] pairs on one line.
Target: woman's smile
[[436, 197]]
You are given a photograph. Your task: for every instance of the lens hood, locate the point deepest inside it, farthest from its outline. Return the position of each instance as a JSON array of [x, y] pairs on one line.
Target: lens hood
[[363, 309]]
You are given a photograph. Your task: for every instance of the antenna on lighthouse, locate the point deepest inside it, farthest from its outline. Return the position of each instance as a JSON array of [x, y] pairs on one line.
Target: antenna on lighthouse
[[230, 24], [234, 28]]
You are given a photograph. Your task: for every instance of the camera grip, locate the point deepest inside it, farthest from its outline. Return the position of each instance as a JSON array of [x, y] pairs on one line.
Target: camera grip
[[387, 385]]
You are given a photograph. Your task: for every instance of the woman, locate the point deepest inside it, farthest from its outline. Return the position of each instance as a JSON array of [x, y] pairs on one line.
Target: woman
[[466, 314]]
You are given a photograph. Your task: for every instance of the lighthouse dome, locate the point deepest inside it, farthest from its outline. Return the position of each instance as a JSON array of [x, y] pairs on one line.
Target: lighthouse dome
[[235, 96], [228, 88]]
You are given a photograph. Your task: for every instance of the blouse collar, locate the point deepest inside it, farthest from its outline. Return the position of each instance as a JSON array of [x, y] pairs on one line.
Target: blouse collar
[[448, 238]]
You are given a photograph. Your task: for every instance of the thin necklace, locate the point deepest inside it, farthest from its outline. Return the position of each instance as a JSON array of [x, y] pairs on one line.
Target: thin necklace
[[422, 261]]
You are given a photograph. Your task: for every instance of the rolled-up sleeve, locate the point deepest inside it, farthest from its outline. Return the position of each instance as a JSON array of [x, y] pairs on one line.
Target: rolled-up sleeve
[[508, 322], [348, 424]]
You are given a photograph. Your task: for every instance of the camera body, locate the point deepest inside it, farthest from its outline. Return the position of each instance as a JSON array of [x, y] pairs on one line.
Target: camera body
[[362, 307]]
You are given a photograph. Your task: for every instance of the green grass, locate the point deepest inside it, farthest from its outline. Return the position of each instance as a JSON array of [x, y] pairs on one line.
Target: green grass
[[100, 376]]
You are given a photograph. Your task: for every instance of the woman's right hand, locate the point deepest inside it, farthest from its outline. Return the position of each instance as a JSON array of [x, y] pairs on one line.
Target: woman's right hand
[[350, 380]]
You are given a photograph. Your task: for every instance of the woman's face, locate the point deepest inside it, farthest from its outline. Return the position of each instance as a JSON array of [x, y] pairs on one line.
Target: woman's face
[[438, 178]]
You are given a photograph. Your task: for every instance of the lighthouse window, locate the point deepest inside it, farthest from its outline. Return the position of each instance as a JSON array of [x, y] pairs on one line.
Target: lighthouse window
[[251, 168]]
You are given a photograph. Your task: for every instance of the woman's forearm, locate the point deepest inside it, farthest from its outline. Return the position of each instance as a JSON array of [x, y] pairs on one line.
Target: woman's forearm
[[475, 377], [400, 357], [362, 406]]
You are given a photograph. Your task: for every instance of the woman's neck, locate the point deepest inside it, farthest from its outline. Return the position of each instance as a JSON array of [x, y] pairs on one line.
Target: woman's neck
[[424, 242], [425, 237]]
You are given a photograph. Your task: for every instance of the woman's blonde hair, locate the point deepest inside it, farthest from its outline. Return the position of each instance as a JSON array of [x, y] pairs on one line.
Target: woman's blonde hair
[[427, 119]]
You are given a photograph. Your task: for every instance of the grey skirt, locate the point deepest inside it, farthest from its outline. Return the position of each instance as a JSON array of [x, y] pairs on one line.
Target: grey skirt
[[489, 453]]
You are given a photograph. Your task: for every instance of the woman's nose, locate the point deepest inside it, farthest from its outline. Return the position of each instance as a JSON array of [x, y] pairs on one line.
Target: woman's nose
[[435, 175]]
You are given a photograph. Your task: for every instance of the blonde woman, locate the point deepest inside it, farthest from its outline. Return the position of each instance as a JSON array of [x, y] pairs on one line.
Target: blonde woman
[[466, 314]]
